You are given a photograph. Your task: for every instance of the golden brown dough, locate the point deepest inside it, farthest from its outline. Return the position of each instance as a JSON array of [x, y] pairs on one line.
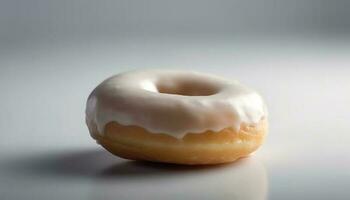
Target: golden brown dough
[[227, 145]]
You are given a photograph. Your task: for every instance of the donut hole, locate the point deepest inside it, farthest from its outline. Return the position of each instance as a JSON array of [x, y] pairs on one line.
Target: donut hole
[[187, 87]]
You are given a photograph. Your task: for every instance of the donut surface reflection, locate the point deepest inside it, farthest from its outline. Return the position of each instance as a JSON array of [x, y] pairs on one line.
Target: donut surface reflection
[[245, 179]]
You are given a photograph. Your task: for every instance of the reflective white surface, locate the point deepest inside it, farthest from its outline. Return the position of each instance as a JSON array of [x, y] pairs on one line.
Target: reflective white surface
[[47, 153]]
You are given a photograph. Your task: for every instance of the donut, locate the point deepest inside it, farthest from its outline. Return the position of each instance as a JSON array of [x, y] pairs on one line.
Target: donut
[[173, 116]]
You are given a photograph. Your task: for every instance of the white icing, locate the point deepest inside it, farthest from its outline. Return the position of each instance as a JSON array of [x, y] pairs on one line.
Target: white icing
[[173, 102]]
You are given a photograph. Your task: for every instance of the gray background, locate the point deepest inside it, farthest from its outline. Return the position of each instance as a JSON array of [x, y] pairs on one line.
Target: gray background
[[53, 53], [44, 21]]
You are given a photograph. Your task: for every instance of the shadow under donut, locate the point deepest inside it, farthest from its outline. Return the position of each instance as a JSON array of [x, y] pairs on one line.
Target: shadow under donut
[[115, 178], [65, 164], [245, 179]]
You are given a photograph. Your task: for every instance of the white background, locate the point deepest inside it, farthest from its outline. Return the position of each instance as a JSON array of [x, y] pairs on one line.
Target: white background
[[53, 54]]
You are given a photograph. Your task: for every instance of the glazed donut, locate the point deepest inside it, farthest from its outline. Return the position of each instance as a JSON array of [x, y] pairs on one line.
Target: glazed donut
[[181, 117]]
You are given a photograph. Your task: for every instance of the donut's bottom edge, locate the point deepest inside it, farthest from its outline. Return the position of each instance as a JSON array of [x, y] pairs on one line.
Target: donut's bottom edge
[[227, 145]]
